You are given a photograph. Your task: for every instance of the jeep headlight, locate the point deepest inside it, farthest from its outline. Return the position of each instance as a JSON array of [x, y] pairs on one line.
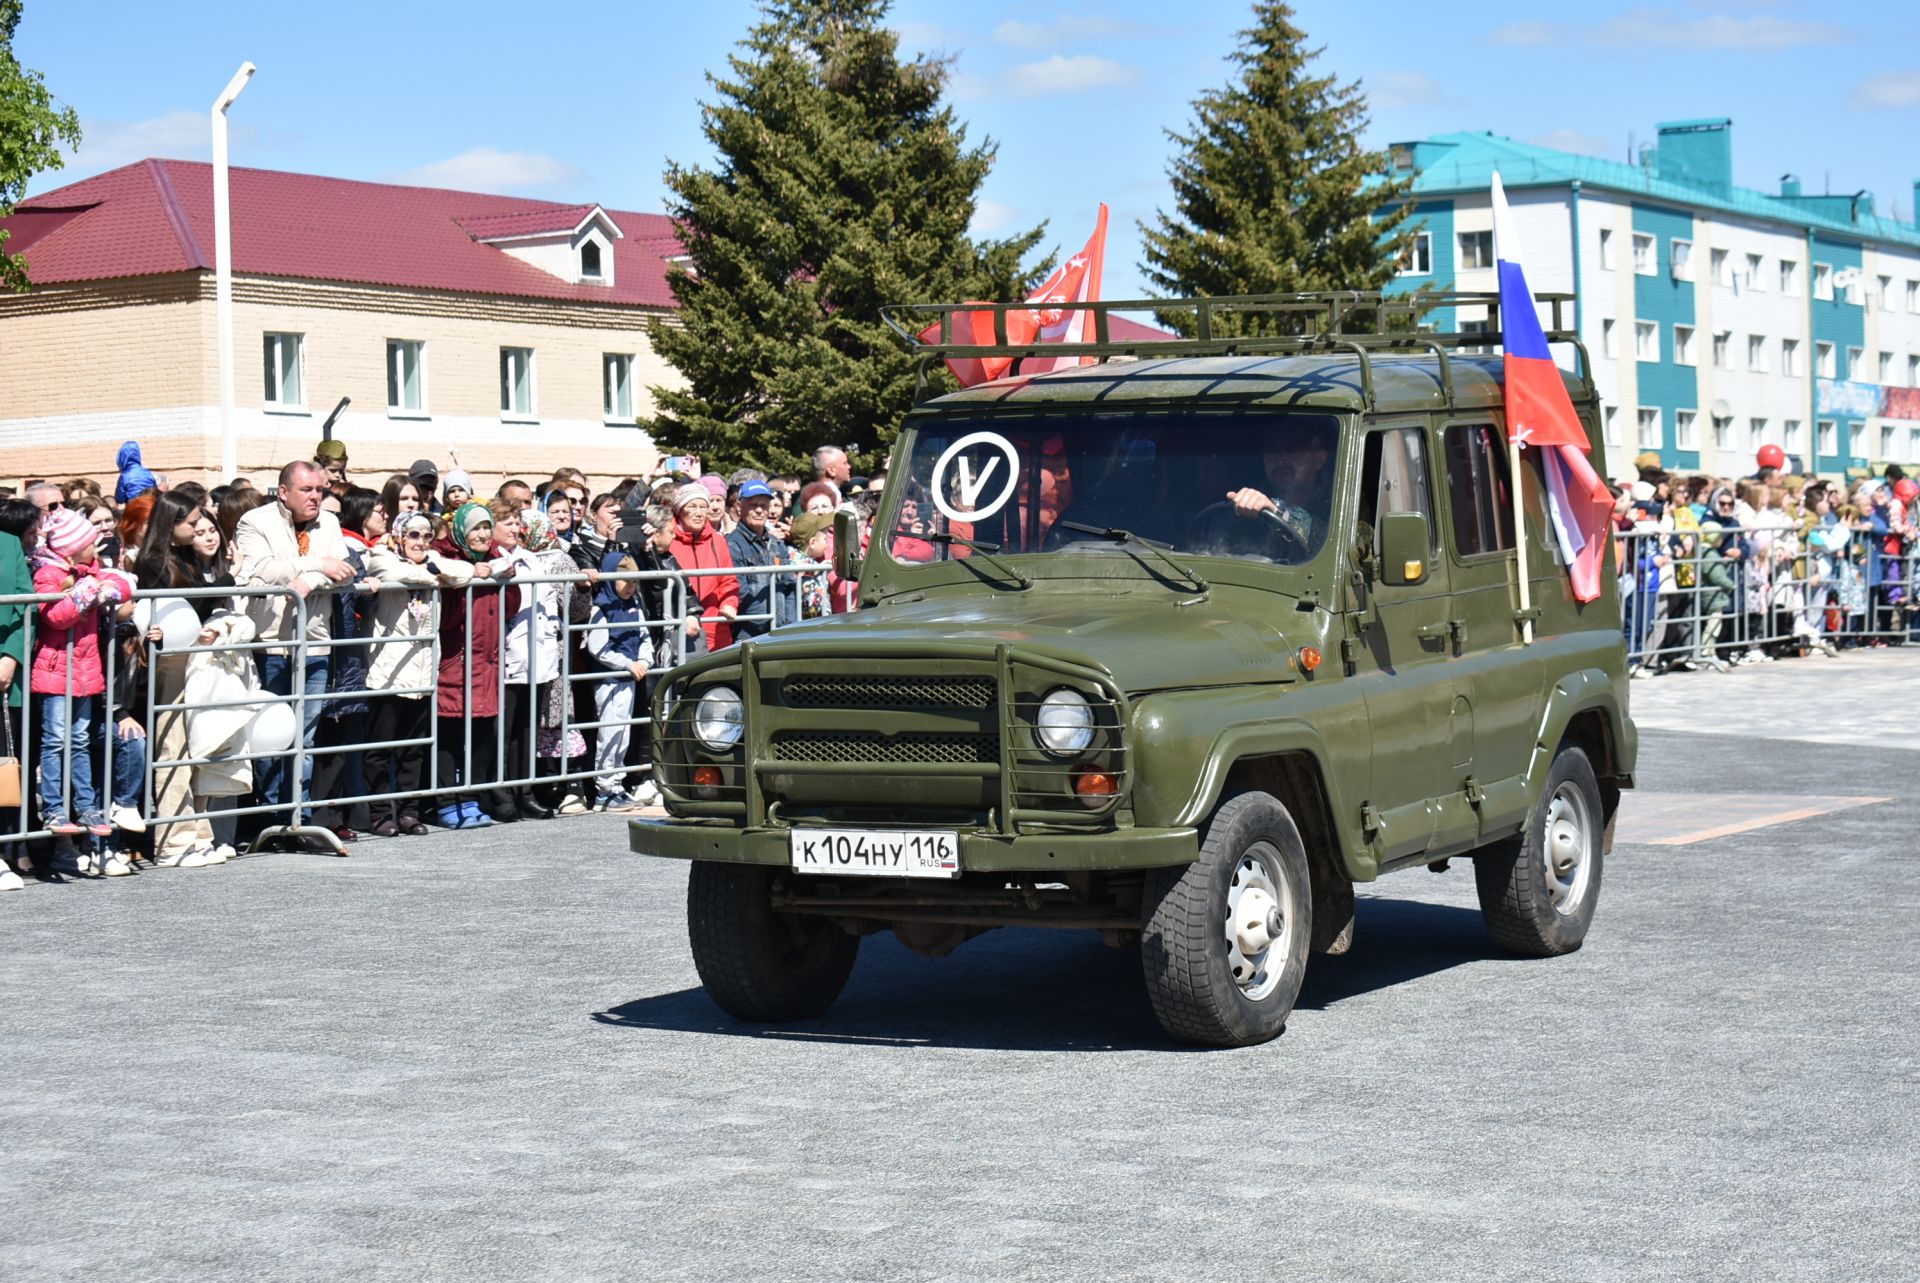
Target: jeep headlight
[[1064, 724], [718, 719]]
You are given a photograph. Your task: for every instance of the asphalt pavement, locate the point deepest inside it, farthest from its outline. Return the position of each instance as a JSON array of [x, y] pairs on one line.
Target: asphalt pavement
[[486, 1055]]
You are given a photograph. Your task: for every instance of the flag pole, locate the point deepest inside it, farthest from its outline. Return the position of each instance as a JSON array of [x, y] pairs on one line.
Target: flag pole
[[1520, 541]]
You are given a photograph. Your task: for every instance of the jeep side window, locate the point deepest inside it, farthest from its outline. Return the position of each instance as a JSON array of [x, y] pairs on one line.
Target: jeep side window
[[1477, 485], [1394, 477]]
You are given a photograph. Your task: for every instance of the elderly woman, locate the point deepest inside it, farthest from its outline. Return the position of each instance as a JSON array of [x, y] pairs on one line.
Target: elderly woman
[[535, 696], [467, 699], [400, 667], [699, 546]]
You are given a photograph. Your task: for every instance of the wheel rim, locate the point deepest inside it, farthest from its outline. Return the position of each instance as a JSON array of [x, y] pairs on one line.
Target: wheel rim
[[1566, 849], [1258, 926]]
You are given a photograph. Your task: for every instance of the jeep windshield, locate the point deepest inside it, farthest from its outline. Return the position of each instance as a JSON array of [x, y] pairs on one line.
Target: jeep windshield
[[1253, 486]]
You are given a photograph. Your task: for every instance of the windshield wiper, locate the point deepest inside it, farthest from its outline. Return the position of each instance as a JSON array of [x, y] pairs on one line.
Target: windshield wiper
[[986, 551], [1156, 548]]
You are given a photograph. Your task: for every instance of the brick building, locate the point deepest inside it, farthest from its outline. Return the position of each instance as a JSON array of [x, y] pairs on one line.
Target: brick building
[[506, 333]]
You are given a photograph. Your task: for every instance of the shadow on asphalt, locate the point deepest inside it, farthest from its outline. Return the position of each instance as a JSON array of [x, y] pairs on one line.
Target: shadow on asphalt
[[1060, 990]]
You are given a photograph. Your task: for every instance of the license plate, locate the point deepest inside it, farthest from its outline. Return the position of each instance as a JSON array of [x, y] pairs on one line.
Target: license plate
[[876, 853]]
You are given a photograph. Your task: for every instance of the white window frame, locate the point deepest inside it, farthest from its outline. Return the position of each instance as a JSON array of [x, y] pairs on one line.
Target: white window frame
[[1646, 255], [514, 414], [1856, 438], [1856, 357], [1756, 432], [273, 393], [1823, 359], [1825, 440], [1610, 424], [1685, 437], [610, 409], [1790, 436], [1913, 371], [1757, 353], [1756, 274], [1789, 277], [1720, 263], [1886, 293], [1790, 358], [1913, 296], [1680, 258], [1606, 249], [394, 347], [1723, 350], [1609, 338], [1463, 239], [1683, 353], [1647, 429], [1886, 369], [1418, 249], [1886, 441], [1913, 445], [1722, 432], [1823, 281], [1646, 339]]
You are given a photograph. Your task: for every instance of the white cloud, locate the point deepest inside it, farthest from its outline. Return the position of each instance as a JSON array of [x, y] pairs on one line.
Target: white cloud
[[1525, 34], [1066, 29], [488, 169], [1390, 89], [1889, 89], [1061, 74], [990, 216], [1665, 28], [927, 35], [178, 135], [1580, 144]]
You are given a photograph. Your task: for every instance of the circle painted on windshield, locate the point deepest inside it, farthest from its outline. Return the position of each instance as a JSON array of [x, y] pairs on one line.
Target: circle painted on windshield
[[970, 485]]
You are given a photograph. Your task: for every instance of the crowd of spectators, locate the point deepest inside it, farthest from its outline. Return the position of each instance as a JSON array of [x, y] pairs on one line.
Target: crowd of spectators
[[1719, 571], [419, 618]]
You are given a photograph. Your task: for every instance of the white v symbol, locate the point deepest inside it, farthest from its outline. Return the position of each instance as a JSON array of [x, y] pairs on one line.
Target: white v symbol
[[969, 488]]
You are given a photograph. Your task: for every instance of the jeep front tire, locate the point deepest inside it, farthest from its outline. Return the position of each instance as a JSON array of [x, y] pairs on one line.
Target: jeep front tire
[[757, 964], [1224, 939]]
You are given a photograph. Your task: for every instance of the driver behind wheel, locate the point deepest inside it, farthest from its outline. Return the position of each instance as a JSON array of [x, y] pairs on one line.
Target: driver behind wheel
[[1299, 484]]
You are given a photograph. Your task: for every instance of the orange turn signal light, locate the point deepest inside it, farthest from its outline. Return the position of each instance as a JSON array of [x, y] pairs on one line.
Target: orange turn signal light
[[1094, 785], [1309, 658], [707, 777]]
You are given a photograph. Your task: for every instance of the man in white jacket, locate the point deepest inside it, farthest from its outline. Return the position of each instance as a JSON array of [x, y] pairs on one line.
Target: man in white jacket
[[292, 544]]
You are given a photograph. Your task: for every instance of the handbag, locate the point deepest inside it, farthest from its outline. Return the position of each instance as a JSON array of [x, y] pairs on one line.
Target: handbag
[[9, 760]]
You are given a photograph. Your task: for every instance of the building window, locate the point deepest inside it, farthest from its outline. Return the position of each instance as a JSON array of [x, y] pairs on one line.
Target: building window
[[283, 355], [1790, 358], [1913, 371], [1757, 353], [1476, 250], [1913, 296], [1886, 293], [1649, 428], [1722, 266], [1684, 437], [1610, 425], [516, 382], [1646, 341], [1886, 369], [1823, 360], [1822, 281], [1722, 431], [1418, 260], [1886, 441], [1756, 433], [1856, 434], [406, 376], [1683, 345], [1723, 350], [1475, 327], [1680, 260], [1790, 437], [1913, 445], [590, 260], [616, 386], [1789, 276], [1856, 364], [1609, 340], [1823, 442], [1606, 249], [1756, 273], [1643, 255]]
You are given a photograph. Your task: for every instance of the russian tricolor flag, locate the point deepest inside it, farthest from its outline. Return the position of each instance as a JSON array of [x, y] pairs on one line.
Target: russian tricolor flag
[[1540, 413]]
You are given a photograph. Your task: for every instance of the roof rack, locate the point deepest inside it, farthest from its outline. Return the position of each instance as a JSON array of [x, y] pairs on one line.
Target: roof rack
[[1326, 321]]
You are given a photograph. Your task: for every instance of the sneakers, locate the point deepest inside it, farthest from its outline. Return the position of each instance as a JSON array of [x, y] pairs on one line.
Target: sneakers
[[616, 801], [194, 857], [648, 794], [114, 865], [9, 880], [472, 817], [62, 827], [97, 824], [127, 820], [220, 854], [71, 861], [573, 804]]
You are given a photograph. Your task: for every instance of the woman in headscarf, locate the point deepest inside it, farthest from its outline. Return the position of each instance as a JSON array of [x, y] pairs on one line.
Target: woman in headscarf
[[698, 545], [536, 634], [468, 691]]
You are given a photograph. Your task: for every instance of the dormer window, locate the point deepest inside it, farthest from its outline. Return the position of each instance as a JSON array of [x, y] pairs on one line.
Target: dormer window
[[590, 260], [572, 242]]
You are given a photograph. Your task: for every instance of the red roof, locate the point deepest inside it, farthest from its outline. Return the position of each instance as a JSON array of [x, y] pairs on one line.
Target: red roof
[[532, 222], [156, 216]]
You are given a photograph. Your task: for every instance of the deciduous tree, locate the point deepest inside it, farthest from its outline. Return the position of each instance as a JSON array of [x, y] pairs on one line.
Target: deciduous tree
[[31, 131]]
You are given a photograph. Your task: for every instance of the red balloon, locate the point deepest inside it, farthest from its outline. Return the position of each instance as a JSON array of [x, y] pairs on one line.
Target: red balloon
[[1771, 456]]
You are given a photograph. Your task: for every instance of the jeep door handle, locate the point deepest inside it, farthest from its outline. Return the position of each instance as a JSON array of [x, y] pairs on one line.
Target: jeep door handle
[[1453, 629]]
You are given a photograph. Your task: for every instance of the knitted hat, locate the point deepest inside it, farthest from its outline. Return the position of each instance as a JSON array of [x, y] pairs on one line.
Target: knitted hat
[[1647, 459], [716, 485], [65, 533], [688, 493], [458, 477], [1642, 490], [806, 526]]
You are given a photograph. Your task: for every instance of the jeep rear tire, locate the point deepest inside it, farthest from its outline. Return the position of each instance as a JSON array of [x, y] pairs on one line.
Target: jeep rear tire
[[1224, 939], [757, 964], [1538, 890]]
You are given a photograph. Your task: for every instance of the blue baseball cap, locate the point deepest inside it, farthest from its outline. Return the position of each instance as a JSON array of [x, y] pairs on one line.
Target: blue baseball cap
[[755, 490]]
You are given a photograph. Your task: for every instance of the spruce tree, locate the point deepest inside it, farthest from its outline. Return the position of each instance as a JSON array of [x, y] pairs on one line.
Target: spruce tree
[[31, 131], [842, 184], [1273, 193]]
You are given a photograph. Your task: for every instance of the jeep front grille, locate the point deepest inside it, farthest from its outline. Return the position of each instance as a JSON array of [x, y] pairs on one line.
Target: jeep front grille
[[900, 693], [924, 748]]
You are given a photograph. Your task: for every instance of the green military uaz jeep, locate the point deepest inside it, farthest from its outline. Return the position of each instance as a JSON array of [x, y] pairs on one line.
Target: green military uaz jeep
[[1176, 648]]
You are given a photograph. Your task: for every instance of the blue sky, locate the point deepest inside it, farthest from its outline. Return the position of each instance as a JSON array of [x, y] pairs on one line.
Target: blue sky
[[588, 102]]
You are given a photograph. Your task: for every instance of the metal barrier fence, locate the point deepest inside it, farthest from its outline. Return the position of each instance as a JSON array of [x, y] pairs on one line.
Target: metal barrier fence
[[539, 650], [1692, 598]]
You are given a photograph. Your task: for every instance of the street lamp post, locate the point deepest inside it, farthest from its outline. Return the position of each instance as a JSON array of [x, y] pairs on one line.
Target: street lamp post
[[223, 268]]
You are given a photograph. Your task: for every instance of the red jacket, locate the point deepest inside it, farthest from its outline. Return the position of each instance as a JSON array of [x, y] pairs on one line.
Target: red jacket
[[68, 634], [708, 551], [482, 643]]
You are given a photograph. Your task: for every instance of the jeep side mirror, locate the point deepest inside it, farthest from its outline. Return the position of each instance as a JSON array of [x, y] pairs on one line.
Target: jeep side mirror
[[1403, 548], [846, 546]]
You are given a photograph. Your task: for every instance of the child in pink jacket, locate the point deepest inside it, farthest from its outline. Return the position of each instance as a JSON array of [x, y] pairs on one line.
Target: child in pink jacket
[[68, 678]]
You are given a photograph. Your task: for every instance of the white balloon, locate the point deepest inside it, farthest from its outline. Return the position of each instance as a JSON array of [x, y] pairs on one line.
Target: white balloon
[[179, 626], [271, 730]]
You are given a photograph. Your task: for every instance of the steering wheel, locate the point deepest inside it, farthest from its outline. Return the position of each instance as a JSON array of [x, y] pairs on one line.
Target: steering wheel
[[1273, 519]]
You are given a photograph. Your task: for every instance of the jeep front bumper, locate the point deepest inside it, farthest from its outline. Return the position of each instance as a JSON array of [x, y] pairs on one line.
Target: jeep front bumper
[[980, 851]]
